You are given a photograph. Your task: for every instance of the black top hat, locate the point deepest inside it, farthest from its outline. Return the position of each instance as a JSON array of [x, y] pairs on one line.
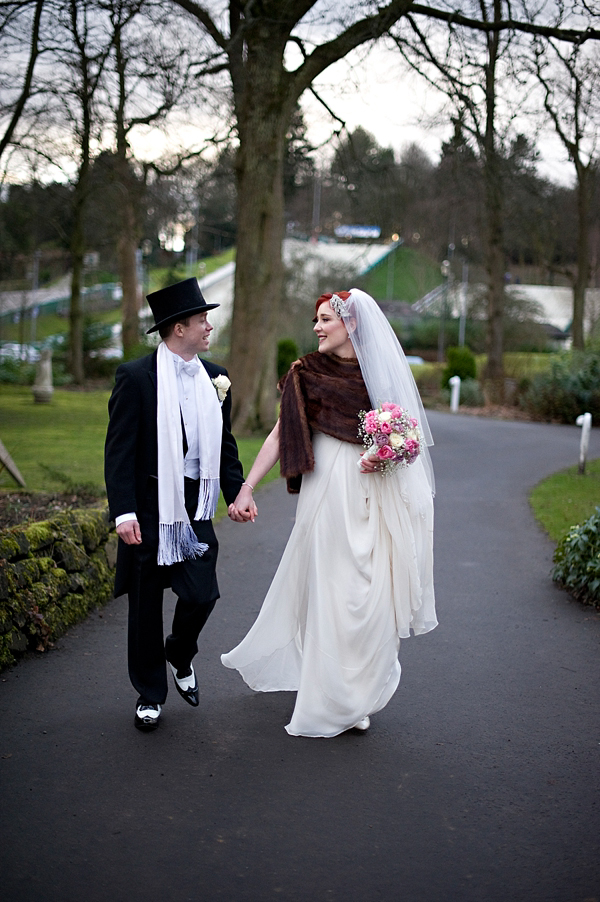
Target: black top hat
[[169, 305]]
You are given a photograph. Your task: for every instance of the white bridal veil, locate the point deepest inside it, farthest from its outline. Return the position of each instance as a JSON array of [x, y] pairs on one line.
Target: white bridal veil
[[386, 373]]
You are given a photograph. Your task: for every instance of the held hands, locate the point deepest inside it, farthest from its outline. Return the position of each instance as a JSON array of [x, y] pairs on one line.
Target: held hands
[[243, 508]]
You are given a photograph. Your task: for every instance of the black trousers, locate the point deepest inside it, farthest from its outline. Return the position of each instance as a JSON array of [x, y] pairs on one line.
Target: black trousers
[[194, 582]]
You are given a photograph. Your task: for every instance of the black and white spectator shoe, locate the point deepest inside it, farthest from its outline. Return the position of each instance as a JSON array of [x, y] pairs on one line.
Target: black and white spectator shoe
[[147, 715], [186, 684]]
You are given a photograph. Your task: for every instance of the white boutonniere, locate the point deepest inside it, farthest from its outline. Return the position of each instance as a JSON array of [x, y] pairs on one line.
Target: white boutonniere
[[221, 383]]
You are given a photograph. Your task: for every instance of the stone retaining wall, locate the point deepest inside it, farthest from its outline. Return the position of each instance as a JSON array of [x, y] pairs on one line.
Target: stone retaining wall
[[52, 573]]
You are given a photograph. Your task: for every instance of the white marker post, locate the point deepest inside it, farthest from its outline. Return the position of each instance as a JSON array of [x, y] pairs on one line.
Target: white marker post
[[585, 421], [454, 382]]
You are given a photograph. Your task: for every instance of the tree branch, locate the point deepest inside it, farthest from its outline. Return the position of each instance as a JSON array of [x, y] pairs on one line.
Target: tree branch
[[34, 53], [571, 35], [367, 29], [198, 11]]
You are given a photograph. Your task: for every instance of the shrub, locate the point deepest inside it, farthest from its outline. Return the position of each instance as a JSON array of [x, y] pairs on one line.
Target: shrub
[[577, 561], [428, 377], [471, 394], [570, 388], [16, 372], [287, 352], [459, 362]]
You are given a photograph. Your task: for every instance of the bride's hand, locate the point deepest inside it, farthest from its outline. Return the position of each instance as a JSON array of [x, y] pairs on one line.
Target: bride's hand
[[369, 464], [243, 508]]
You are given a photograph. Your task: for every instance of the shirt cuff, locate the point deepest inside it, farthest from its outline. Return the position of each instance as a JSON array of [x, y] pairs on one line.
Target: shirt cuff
[[124, 517]]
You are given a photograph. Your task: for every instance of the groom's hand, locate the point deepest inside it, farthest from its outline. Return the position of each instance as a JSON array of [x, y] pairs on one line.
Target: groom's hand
[[243, 508], [130, 532]]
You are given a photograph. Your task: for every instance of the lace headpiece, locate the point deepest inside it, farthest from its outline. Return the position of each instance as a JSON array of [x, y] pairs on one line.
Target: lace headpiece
[[337, 305]]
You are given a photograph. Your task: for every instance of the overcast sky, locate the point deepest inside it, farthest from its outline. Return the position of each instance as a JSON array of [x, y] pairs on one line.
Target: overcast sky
[[398, 108]]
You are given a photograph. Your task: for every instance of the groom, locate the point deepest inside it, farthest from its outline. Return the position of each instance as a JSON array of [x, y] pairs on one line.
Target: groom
[[169, 449]]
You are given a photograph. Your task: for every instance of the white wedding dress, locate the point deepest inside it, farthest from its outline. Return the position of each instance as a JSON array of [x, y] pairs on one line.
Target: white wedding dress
[[355, 577]]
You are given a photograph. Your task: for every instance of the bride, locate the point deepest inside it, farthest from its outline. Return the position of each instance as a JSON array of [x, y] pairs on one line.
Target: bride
[[356, 574]]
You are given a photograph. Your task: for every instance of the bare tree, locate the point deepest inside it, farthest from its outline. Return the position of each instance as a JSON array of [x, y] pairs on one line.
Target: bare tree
[[13, 21], [473, 67], [150, 76], [83, 59], [254, 43], [570, 80], [252, 49]]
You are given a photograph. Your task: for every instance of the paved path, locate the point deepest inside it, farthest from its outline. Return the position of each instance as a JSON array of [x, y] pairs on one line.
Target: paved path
[[479, 781]]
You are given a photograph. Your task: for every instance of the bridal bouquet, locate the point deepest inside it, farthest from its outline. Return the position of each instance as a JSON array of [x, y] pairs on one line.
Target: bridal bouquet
[[391, 435]]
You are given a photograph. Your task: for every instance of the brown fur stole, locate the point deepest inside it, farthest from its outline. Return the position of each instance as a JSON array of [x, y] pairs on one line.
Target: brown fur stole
[[320, 393]]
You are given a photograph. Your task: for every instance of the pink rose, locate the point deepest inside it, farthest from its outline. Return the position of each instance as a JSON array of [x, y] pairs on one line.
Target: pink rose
[[386, 453], [385, 428], [370, 427], [387, 405], [414, 423], [411, 446]]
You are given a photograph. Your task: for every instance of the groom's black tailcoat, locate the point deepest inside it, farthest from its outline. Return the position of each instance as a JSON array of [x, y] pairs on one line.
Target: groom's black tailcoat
[[131, 473]]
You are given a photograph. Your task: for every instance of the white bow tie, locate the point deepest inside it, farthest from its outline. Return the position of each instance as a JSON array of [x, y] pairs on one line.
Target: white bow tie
[[191, 367]]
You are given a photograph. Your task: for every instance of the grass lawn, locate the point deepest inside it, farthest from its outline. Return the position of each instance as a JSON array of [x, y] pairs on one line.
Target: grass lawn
[[67, 436], [203, 268], [566, 498], [48, 324], [411, 274]]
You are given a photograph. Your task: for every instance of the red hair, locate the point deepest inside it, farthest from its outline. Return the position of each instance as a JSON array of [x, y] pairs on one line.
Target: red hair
[[325, 298]]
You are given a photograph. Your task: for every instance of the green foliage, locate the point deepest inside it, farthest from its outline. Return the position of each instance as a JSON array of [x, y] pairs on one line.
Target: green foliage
[[422, 333], [67, 434], [140, 349], [84, 490], [566, 498], [67, 437], [287, 352], [16, 372], [409, 273], [577, 561], [158, 275], [520, 365], [428, 377], [459, 362], [570, 388], [471, 394]]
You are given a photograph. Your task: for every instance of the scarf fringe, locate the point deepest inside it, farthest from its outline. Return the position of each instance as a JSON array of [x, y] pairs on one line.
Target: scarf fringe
[[208, 498], [177, 542]]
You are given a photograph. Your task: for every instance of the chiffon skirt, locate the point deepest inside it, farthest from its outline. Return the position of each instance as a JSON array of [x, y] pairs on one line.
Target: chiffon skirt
[[355, 577]]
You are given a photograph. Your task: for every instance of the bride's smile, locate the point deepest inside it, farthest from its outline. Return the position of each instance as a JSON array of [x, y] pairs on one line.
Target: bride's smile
[[332, 333]]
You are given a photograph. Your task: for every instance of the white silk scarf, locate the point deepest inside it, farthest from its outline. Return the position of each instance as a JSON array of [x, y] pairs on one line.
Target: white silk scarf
[[177, 540]]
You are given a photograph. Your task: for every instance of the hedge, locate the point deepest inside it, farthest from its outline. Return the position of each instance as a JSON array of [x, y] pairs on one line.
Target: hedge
[[577, 561], [52, 573]]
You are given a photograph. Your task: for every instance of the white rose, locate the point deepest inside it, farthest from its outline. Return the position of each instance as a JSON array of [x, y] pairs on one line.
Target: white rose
[[385, 416], [396, 440], [221, 383]]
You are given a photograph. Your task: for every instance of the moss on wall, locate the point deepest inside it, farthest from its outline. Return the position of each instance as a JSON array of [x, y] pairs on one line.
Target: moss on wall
[[52, 574]]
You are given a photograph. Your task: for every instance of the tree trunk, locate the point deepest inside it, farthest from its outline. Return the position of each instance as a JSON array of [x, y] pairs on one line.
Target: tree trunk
[[126, 257], [583, 257], [76, 306], [494, 264], [494, 251], [260, 227], [127, 239]]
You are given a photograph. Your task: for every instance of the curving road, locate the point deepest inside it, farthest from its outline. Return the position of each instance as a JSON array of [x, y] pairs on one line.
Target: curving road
[[478, 782]]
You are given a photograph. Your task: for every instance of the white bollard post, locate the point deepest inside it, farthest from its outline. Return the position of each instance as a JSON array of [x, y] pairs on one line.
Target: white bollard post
[[585, 421], [454, 383]]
